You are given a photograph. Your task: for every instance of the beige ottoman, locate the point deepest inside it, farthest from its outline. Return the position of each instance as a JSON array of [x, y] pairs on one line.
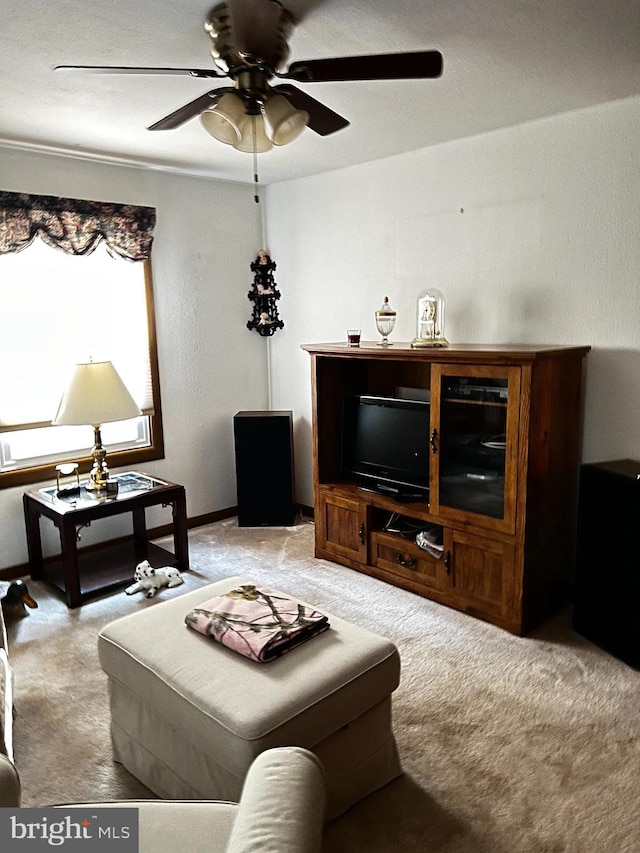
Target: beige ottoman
[[188, 716]]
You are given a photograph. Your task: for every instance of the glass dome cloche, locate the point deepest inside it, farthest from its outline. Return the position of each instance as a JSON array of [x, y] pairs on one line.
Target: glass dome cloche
[[430, 320]]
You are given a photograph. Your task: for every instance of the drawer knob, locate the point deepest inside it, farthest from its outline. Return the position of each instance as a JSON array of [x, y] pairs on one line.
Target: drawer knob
[[407, 564]]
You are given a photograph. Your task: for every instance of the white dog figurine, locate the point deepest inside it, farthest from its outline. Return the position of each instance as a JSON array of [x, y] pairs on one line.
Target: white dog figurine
[[150, 580]]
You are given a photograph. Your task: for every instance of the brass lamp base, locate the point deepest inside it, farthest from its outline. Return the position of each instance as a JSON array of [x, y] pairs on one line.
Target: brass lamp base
[[99, 474], [98, 480]]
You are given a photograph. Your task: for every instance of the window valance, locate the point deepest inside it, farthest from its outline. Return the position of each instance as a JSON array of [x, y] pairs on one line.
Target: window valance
[[75, 226]]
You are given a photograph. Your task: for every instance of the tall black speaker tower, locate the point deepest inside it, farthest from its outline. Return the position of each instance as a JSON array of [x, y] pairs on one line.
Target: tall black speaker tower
[[264, 468]]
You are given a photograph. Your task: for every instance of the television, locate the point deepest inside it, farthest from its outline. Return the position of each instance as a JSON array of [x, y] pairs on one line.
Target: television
[[385, 445]]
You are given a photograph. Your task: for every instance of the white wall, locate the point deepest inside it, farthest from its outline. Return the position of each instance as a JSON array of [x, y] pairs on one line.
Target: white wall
[[211, 366], [531, 233]]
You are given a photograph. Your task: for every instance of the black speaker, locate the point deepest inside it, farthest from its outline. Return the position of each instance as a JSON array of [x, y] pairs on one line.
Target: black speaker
[[264, 468]]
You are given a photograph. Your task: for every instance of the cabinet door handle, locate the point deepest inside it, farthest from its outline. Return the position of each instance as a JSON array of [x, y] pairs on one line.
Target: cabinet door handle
[[407, 564], [447, 562], [432, 441], [361, 533]]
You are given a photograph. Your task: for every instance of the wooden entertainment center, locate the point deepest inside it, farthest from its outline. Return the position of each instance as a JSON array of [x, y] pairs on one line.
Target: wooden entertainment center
[[504, 457]]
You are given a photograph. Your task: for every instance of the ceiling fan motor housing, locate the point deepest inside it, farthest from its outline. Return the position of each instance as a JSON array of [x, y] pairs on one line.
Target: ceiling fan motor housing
[[236, 49]]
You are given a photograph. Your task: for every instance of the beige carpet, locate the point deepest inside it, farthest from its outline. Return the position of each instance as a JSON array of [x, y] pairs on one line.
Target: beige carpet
[[509, 745]]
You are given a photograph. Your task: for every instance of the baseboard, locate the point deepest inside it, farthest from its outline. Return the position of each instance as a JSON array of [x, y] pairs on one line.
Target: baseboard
[[306, 512], [196, 521]]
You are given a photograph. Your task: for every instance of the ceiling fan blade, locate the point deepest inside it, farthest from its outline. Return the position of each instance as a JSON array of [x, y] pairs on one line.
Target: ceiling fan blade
[[193, 108], [255, 25], [386, 66], [322, 120], [123, 69]]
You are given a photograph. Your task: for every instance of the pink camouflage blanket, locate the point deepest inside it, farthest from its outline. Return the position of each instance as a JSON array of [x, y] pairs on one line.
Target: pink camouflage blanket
[[257, 623]]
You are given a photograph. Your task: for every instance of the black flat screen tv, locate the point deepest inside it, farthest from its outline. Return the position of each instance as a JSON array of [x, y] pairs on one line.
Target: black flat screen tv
[[385, 445]]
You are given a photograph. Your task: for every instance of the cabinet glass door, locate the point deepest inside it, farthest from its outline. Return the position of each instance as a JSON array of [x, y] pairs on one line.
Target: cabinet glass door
[[474, 444]]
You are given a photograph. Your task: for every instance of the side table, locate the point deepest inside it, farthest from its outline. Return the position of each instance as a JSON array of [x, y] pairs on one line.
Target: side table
[[110, 565]]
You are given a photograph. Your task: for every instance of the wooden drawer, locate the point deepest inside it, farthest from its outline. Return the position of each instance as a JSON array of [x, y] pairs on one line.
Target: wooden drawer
[[402, 558]]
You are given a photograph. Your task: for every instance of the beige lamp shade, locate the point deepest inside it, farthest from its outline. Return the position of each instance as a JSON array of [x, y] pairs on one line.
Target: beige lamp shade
[[287, 123], [95, 395], [246, 141], [222, 121]]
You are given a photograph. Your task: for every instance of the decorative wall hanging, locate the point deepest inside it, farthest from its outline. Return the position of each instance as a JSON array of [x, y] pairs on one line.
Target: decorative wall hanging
[[264, 294]]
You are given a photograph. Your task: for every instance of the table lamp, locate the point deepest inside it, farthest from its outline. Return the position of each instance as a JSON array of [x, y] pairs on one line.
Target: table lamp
[[96, 395]]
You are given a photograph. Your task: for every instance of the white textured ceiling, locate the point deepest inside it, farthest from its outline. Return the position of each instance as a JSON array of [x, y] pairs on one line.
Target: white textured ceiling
[[505, 62]]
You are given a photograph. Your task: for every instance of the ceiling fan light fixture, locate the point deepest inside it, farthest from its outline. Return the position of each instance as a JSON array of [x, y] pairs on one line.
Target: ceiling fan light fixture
[[223, 120], [250, 45], [287, 123], [253, 136]]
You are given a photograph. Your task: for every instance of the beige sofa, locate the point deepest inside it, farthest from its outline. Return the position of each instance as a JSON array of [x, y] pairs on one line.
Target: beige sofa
[[281, 810], [9, 780]]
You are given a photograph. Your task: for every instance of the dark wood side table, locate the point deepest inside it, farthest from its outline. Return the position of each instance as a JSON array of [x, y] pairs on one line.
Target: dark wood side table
[[105, 567]]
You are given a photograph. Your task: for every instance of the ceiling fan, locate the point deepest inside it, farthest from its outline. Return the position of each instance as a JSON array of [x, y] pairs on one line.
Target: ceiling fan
[[250, 46]]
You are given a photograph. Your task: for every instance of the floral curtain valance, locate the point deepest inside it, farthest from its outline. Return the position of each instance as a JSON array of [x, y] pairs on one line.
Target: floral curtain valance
[[75, 226]]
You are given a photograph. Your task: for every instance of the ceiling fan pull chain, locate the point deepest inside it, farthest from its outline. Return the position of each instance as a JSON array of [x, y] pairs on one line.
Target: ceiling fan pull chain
[[256, 196]]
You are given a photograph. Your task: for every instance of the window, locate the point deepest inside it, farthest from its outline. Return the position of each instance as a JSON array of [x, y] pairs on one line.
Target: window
[[58, 309]]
